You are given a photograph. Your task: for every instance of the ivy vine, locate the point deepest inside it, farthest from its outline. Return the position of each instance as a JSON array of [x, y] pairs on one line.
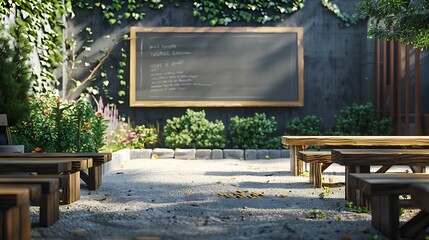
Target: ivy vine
[[42, 21]]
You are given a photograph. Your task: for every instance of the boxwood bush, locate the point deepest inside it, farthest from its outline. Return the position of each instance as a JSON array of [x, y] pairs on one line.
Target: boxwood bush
[[253, 132], [361, 120], [309, 125], [193, 130]]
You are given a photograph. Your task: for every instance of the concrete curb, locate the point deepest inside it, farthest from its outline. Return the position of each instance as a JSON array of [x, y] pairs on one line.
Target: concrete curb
[[190, 154]]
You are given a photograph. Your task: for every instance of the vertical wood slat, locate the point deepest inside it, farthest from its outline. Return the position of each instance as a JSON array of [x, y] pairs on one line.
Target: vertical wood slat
[[384, 75], [377, 73], [417, 127], [399, 102], [407, 90], [399, 91], [392, 80]]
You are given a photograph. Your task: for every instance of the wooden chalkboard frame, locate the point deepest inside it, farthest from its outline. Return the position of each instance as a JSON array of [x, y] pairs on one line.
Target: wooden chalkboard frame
[[299, 102]]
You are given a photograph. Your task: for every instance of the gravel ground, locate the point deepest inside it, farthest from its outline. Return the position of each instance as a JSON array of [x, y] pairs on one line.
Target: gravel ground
[[189, 199]]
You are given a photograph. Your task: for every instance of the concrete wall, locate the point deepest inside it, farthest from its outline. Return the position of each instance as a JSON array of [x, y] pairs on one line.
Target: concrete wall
[[334, 60]]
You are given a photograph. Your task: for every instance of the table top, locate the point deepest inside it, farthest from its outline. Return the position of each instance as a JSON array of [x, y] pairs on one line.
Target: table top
[[356, 140]]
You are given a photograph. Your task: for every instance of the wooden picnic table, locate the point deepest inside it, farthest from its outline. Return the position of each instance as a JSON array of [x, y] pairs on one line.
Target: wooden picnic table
[[361, 160], [299, 143], [93, 177]]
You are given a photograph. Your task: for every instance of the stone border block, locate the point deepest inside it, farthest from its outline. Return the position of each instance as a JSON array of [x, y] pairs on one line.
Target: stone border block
[[140, 153], [262, 153], [274, 153], [163, 152], [203, 154], [285, 153], [233, 153], [250, 154], [217, 154], [186, 154]]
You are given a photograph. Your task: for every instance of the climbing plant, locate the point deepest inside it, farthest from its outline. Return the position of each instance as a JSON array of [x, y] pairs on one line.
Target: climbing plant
[[43, 25], [225, 12]]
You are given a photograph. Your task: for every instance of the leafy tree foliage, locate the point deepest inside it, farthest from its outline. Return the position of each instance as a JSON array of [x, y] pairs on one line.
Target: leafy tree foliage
[[406, 21]]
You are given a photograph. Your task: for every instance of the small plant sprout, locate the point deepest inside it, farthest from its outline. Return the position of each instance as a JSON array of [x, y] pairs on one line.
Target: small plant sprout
[[353, 208], [327, 190], [316, 214]]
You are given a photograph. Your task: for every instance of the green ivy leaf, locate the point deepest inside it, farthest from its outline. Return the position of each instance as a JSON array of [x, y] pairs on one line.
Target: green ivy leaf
[[112, 21], [121, 93]]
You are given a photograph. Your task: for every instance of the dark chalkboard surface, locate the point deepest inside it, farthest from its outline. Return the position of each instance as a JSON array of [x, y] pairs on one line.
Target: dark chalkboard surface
[[220, 66]]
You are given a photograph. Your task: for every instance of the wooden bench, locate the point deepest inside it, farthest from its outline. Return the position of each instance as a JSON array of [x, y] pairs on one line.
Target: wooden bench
[[93, 176], [50, 194], [361, 160], [15, 214], [383, 191], [319, 161], [69, 167]]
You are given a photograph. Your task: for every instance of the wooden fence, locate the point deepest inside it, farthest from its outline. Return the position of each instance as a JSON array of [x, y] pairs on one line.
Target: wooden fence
[[398, 86]]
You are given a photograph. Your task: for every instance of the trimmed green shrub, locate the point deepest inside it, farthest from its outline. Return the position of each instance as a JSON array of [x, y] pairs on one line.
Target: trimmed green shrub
[[361, 120], [274, 143], [251, 132], [306, 126], [193, 130]]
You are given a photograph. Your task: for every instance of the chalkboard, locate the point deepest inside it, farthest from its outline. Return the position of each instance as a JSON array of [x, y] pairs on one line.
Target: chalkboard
[[217, 66]]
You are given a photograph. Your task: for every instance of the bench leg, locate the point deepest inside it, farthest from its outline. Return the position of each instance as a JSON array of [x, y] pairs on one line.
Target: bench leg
[[350, 189], [95, 176], [15, 222], [311, 173], [317, 175], [9, 219], [71, 191], [296, 165], [49, 208], [25, 221], [385, 215]]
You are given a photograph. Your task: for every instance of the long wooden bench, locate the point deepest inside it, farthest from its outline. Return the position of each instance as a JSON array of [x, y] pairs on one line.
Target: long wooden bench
[[69, 167], [361, 160], [50, 195], [15, 214], [383, 191], [319, 161], [92, 177]]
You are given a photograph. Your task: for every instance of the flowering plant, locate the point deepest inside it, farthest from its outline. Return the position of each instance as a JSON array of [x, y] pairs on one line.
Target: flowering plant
[[124, 136], [54, 125]]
